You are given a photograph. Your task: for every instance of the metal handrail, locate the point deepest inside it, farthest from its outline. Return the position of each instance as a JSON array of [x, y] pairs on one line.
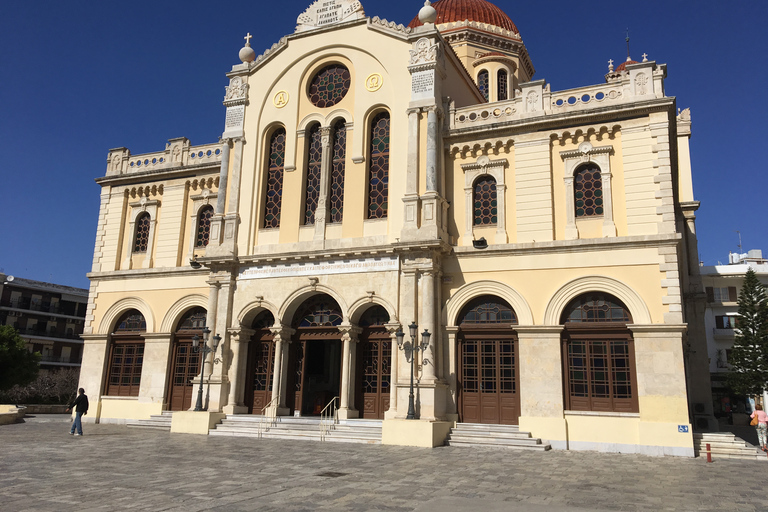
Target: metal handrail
[[270, 418], [329, 417]]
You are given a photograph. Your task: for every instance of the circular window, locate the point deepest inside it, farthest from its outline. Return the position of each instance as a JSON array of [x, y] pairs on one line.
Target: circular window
[[329, 86]]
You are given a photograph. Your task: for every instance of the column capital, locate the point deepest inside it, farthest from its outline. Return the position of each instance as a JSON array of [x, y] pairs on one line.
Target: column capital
[[350, 332], [240, 334], [282, 333], [452, 330], [655, 330], [393, 327], [156, 336], [538, 330]]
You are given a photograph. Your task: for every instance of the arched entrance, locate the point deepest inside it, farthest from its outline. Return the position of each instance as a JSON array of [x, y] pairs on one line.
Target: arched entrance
[[184, 362], [598, 355], [374, 360], [261, 363], [126, 355], [488, 362], [314, 360]]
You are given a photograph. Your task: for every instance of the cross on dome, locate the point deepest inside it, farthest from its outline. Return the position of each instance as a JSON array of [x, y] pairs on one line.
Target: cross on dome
[[610, 62], [247, 38], [645, 57]]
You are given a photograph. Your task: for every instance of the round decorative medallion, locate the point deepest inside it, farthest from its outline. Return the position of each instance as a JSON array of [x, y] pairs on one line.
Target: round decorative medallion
[[329, 86], [281, 99], [374, 82]]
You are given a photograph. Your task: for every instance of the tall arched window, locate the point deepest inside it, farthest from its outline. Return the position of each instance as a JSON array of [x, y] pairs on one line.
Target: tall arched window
[[141, 240], [314, 160], [274, 189], [204, 226], [485, 203], [337, 170], [482, 83], [378, 181], [502, 84], [588, 191], [126, 355], [598, 355]]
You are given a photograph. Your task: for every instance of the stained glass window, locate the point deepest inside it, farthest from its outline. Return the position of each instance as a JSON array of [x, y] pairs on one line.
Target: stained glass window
[[337, 171], [314, 160], [596, 307], [487, 310], [588, 191], [274, 193], [374, 316], [378, 183], [142, 233], [329, 86], [482, 83], [502, 84], [204, 226], [485, 202], [319, 311], [132, 321], [193, 320]]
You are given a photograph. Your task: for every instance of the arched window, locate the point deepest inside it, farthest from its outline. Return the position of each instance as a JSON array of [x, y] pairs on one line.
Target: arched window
[[319, 311], [588, 191], [337, 170], [126, 355], [485, 203], [378, 181], [204, 226], [482, 83], [502, 84], [598, 355], [274, 188], [141, 241], [314, 161]]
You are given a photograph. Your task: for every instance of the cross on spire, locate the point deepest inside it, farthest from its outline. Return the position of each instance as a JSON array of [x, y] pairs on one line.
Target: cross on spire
[[645, 57], [247, 38], [610, 62]]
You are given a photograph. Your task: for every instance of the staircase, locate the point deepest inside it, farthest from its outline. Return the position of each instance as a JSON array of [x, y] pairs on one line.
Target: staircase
[[156, 421], [493, 436], [304, 428], [725, 445]]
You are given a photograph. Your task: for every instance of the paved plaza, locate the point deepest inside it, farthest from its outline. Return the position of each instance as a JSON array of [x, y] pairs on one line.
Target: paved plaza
[[115, 468]]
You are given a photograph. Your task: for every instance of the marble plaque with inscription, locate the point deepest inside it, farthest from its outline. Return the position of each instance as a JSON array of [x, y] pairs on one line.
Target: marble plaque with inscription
[[422, 85], [233, 125], [327, 12], [352, 266]]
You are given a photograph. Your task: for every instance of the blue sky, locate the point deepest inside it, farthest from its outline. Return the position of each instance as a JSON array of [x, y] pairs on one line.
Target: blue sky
[[79, 78]]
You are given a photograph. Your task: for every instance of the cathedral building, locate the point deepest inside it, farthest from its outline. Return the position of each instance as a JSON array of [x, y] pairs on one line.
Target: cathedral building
[[374, 179]]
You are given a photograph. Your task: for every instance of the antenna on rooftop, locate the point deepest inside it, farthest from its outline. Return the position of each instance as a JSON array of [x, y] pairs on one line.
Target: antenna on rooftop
[[739, 232], [628, 58]]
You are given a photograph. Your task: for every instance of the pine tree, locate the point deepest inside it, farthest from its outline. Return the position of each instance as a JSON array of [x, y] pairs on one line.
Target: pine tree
[[749, 356], [17, 365]]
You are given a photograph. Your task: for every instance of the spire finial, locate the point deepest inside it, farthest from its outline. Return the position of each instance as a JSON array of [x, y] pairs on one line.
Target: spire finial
[[610, 65], [628, 58], [247, 38]]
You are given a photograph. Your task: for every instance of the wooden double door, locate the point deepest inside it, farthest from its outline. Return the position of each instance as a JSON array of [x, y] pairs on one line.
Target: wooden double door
[[185, 366], [488, 377], [373, 373]]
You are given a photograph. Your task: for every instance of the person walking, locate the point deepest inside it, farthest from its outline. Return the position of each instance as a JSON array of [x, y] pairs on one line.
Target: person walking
[[761, 427], [80, 405]]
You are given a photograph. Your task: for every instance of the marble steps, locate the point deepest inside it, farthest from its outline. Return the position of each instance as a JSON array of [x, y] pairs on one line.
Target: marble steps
[[494, 436], [155, 422], [346, 431], [726, 446]]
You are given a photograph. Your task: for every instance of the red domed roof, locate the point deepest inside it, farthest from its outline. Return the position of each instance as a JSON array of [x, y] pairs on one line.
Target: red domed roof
[[624, 64], [449, 11]]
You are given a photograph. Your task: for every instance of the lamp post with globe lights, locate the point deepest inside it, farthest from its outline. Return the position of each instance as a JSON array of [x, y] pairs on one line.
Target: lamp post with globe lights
[[204, 350], [411, 348]]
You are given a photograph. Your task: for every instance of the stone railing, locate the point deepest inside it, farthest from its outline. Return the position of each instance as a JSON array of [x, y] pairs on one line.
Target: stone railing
[[178, 153], [641, 81]]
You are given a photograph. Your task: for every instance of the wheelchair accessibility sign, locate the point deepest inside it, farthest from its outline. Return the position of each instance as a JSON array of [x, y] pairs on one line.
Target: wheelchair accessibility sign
[[682, 429]]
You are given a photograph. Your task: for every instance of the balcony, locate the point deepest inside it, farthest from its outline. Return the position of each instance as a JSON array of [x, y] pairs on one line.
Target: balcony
[[69, 360], [42, 333], [722, 334]]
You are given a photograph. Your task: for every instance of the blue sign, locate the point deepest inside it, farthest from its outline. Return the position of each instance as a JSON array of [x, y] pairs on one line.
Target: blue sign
[[682, 428]]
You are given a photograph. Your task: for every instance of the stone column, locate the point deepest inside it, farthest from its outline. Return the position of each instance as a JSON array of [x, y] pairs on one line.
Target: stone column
[[540, 382], [609, 227], [154, 370], [571, 231], [432, 150], [427, 321], [411, 197], [392, 328], [280, 377], [349, 339], [321, 214], [452, 377], [223, 177], [238, 342], [95, 354]]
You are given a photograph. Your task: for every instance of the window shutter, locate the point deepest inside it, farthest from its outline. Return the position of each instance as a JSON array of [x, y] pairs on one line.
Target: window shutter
[[732, 294], [710, 294]]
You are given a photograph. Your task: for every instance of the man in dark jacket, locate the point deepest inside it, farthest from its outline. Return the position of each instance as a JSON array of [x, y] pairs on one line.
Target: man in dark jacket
[[80, 405]]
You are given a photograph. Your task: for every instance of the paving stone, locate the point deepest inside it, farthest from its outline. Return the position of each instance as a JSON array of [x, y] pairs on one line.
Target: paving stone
[[114, 467]]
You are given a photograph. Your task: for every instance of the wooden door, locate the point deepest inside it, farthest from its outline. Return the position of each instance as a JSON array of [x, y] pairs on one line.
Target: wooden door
[[374, 373], [488, 380], [260, 368], [185, 367]]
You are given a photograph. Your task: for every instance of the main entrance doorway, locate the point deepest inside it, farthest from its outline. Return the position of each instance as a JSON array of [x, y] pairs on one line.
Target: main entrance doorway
[[261, 364], [488, 356], [374, 359], [315, 356], [184, 362]]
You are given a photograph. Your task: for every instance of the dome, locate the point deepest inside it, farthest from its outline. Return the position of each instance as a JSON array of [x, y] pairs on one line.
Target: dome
[[449, 11], [624, 64]]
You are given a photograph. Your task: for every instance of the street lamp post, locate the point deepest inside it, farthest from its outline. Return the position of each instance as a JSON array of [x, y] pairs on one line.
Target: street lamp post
[[411, 348], [204, 349]]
